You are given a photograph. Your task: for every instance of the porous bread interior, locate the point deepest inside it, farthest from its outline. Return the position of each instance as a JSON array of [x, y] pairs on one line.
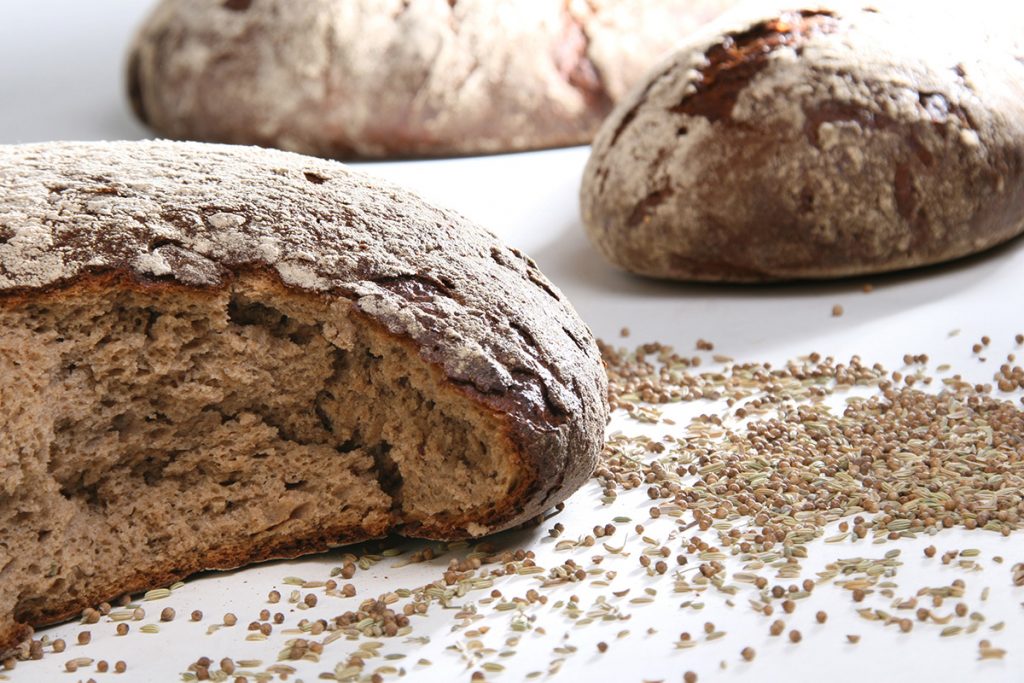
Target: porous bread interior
[[153, 432]]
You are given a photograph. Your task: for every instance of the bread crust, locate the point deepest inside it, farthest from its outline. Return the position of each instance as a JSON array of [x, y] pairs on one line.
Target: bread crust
[[191, 217], [397, 78], [816, 142]]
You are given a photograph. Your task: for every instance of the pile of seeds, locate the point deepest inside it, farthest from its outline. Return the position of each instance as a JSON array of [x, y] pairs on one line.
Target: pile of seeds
[[733, 503]]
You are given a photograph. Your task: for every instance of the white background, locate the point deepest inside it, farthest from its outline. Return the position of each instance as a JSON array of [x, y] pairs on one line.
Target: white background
[[60, 78]]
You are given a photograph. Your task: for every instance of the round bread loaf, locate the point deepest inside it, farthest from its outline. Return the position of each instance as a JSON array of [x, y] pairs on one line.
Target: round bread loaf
[[812, 143], [213, 355], [385, 78]]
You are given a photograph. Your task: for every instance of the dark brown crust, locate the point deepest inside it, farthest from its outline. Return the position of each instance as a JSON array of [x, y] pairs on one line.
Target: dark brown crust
[[223, 558], [578, 69], [484, 320], [791, 146], [732, 63]]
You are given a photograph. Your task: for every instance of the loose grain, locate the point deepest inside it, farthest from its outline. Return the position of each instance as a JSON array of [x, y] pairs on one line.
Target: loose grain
[[754, 486]]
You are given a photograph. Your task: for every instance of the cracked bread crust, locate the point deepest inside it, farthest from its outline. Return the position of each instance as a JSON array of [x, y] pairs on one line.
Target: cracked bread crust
[[814, 142], [397, 78], [191, 221], [198, 215]]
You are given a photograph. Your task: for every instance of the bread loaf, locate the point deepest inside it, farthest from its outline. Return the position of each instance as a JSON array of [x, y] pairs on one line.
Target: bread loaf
[[211, 356], [387, 78], [813, 143]]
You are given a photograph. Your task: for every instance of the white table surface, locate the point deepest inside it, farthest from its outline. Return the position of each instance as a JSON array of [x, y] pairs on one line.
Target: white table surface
[[60, 78]]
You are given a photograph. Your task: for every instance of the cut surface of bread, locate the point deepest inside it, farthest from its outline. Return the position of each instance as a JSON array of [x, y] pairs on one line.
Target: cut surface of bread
[[155, 427]]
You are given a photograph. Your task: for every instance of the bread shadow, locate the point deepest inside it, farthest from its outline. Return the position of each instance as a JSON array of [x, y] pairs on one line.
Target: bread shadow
[[608, 298], [419, 572]]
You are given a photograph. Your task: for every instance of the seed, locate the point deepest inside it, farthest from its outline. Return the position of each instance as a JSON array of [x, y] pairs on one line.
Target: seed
[[167, 614], [59, 645], [78, 662], [310, 600], [102, 666], [690, 677], [929, 551], [230, 619], [777, 627], [227, 665], [196, 615], [748, 654], [120, 667], [84, 637], [788, 606], [853, 639], [821, 617], [274, 597], [837, 311], [602, 646], [858, 595], [794, 636], [122, 629]]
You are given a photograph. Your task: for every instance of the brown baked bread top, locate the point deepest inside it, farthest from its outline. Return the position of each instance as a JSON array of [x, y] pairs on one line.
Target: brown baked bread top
[[823, 140], [397, 78], [216, 355]]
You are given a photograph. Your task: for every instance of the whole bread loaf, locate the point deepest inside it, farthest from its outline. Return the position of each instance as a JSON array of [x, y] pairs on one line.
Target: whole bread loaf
[[211, 356], [822, 140], [386, 78]]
